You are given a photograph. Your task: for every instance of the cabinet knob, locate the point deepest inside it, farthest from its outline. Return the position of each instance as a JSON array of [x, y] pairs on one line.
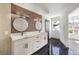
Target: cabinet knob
[[37, 41], [37, 37], [38, 46], [44, 38]]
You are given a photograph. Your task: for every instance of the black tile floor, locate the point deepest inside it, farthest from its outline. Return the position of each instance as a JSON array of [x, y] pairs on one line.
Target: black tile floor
[[58, 48], [55, 47], [42, 51]]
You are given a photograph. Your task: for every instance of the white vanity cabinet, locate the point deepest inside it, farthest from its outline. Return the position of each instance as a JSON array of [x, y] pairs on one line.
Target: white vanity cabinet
[[44, 39], [28, 46], [36, 43], [39, 41], [18, 47], [21, 47]]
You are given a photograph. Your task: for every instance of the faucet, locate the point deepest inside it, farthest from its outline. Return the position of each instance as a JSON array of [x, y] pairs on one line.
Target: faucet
[[22, 33]]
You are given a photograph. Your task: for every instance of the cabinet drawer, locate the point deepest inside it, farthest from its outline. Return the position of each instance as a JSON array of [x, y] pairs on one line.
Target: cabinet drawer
[[44, 40], [36, 44]]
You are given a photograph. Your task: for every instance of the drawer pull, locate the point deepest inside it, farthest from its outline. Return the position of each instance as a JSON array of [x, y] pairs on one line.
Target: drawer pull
[[37, 37], [38, 46], [37, 41], [44, 38], [26, 45]]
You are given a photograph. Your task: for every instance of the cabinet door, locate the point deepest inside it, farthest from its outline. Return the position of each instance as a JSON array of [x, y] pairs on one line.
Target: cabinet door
[[44, 39], [22, 47], [36, 43], [28, 46], [18, 47]]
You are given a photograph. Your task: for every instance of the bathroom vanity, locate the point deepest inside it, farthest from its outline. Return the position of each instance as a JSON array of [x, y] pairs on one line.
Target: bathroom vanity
[[26, 31], [28, 44]]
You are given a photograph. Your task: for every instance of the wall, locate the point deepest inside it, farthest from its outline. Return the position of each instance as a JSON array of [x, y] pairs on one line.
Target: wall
[[64, 29], [32, 7], [55, 33], [5, 28], [30, 16], [36, 9], [63, 32], [75, 12]]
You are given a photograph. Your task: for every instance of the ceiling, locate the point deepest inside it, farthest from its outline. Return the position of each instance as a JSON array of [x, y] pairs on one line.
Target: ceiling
[[58, 8]]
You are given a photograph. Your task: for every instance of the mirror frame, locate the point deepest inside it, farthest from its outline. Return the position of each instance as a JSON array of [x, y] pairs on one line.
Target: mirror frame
[[20, 26]]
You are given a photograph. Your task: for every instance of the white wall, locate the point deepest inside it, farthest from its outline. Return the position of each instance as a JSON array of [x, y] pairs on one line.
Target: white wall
[[63, 32], [32, 7], [55, 33], [5, 28], [75, 12], [64, 29]]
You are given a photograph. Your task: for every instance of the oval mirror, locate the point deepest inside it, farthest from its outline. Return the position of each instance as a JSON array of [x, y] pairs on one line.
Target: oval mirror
[[20, 24], [38, 25]]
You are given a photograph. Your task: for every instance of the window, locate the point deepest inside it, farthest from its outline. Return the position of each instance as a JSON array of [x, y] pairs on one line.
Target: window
[[74, 25]]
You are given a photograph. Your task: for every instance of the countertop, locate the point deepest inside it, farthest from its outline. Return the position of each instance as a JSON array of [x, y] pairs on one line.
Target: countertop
[[17, 36]]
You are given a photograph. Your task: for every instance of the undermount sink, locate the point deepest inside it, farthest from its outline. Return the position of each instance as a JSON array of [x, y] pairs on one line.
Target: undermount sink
[[17, 37]]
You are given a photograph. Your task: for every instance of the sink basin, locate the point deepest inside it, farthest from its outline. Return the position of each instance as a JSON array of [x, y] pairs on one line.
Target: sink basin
[[17, 37]]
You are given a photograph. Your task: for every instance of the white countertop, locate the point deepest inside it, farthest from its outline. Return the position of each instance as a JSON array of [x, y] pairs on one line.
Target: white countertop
[[17, 36]]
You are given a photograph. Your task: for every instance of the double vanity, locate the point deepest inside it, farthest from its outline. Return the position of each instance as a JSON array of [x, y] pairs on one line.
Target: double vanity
[[28, 43], [26, 31]]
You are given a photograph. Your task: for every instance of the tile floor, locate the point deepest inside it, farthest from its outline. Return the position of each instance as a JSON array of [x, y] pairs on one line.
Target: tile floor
[[55, 47]]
